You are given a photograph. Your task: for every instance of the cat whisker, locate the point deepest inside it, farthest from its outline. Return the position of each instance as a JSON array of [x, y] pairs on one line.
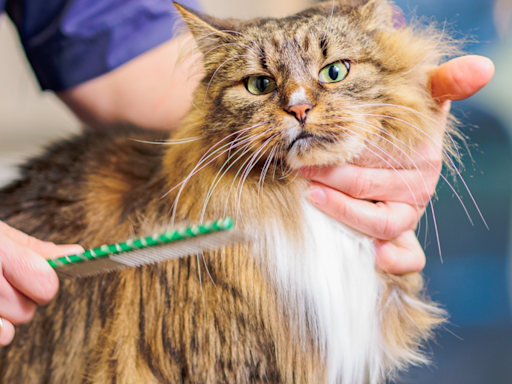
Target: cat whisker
[[233, 182], [458, 156], [242, 167], [448, 157], [275, 167], [252, 163], [201, 162], [246, 139], [170, 142], [265, 169], [423, 158], [430, 164], [437, 123], [285, 172], [226, 44], [206, 267], [215, 182], [328, 24], [217, 179], [207, 155], [434, 220], [215, 73], [229, 32], [294, 178], [396, 170], [234, 178], [408, 185], [185, 182], [412, 162]]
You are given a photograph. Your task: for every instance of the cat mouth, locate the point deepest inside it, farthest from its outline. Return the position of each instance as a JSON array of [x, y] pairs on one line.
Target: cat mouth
[[305, 138]]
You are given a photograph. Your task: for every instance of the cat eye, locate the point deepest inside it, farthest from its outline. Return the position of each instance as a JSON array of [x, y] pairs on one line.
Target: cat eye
[[334, 72], [260, 85]]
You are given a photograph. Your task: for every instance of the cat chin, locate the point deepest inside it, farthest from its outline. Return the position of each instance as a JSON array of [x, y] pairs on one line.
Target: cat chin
[[297, 162], [337, 156]]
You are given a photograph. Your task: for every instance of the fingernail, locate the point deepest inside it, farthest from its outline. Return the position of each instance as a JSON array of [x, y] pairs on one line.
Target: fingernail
[[70, 249], [316, 195]]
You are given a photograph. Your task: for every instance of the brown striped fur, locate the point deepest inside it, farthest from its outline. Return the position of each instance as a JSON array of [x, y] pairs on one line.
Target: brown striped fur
[[219, 317]]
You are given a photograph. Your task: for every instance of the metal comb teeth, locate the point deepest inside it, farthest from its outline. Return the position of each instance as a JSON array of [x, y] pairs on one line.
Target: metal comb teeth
[[148, 250]]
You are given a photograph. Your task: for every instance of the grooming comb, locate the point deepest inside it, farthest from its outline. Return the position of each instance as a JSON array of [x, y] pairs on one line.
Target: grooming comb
[[148, 250]]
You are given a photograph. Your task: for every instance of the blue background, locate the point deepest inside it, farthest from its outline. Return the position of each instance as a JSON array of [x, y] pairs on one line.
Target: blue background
[[472, 282]]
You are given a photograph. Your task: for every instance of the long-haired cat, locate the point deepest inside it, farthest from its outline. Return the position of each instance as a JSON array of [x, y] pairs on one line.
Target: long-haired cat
[[302, 302]]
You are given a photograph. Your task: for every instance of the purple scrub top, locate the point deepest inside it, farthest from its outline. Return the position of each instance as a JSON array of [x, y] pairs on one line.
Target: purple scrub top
[[71, 41]]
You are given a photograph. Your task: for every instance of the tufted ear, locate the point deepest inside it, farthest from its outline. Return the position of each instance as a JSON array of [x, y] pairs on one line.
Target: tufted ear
[[208, 31], [379, 14]]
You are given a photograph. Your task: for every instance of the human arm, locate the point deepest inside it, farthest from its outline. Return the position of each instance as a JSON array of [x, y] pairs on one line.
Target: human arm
[[153, 90], [346, 193]]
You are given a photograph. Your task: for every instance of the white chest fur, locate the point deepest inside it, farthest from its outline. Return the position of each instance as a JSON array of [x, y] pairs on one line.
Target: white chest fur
[[331, 281]]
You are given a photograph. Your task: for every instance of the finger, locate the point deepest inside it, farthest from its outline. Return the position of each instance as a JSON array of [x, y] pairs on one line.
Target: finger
[[405, 186], [28, 272], [44, 248], [383, 221], [461, 78], [401, 255], [7, 333], [14, 306]]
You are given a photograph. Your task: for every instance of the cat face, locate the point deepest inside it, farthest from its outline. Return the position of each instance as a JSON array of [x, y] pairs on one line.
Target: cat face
[[319, 87]]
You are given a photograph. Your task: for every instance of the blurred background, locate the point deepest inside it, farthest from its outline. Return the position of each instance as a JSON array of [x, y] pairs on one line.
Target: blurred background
[[473, 277]]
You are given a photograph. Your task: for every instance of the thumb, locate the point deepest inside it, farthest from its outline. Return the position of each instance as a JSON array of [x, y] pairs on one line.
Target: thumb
[[44, 248], [461, 78]]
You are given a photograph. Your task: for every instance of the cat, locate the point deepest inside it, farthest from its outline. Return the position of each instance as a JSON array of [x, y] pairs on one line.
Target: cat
[[302, 302]]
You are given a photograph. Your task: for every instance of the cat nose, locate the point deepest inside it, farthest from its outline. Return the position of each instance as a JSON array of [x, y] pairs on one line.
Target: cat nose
[[300, 112]]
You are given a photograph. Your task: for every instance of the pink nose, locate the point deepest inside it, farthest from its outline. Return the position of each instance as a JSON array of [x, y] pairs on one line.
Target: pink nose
[[300, 111]]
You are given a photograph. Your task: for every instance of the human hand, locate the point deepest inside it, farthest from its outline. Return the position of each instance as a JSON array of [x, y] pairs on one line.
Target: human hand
[[26, 278], [346, 192]]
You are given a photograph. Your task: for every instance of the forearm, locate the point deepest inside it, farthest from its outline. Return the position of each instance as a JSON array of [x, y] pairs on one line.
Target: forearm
[[153, 90]]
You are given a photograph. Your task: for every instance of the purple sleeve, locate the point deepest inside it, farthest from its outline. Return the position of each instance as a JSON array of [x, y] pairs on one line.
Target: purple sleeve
[[71, 41]]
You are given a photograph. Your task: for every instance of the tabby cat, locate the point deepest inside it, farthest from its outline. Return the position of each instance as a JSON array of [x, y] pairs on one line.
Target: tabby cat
[[302, 302]]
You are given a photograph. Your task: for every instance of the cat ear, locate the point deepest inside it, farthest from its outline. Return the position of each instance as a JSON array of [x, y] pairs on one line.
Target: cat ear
[[208, 31], [379, 14]]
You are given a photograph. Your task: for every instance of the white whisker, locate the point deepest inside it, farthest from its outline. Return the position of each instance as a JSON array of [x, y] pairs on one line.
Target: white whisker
[[217, 180], [254, 160], [170, 142], [227, 44], [205, 156], [264, 171], [448, 157], [403, 179], [187, 179], [329, 22], [454, 144], [230, 32], [215, 73], [389, 164]]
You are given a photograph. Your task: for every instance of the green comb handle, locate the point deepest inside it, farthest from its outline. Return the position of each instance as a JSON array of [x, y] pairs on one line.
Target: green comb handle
[[144, 242]]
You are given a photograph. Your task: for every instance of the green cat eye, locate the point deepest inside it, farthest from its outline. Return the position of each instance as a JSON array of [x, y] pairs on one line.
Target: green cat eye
[[334, 72], [260, 85]]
